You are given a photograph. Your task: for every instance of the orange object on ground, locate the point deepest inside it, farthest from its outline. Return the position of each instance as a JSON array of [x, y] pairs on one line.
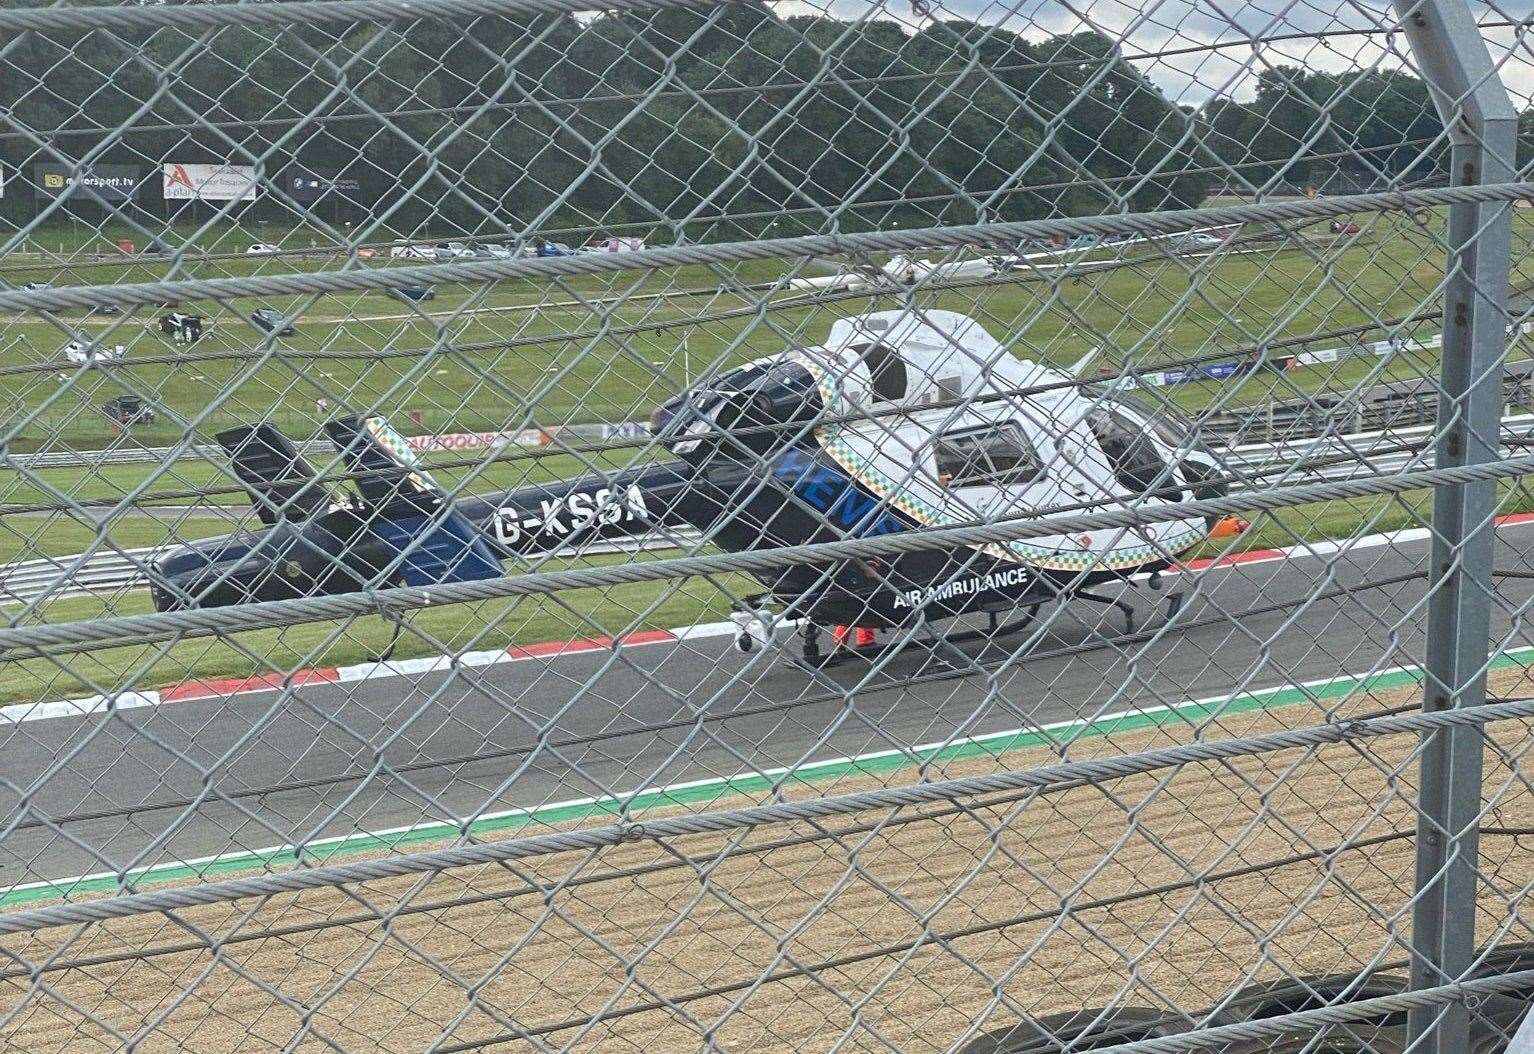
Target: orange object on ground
[[1229, 527], [858, 636]]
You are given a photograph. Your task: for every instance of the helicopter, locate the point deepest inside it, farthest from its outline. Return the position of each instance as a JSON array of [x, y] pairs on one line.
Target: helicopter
[[900, 421]]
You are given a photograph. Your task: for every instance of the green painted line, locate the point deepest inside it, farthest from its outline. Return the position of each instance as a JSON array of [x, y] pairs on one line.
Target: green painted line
[[707, 792]]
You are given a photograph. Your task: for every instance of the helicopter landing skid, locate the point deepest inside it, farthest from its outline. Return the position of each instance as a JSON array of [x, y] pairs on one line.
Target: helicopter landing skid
[[753, 632], [941, 647], [1097, 598], [813, 660]]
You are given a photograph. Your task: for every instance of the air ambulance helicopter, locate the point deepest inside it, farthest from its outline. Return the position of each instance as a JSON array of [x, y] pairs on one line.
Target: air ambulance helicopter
[[901, 421]]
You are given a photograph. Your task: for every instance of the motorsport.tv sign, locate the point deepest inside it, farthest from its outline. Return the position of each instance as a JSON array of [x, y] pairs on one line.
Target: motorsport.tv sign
[[210, 182], [104, 183]]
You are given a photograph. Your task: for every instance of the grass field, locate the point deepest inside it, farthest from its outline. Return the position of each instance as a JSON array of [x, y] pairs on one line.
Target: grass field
[[359, 351]]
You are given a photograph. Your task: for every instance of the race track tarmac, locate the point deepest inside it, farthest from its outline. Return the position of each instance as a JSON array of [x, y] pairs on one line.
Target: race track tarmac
[[385, 753]]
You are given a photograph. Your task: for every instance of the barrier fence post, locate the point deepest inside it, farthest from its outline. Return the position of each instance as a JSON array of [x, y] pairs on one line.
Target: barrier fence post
[[1482, 127]]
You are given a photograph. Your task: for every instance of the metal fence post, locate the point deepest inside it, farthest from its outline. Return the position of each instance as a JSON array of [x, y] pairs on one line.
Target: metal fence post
[[1482, 126]]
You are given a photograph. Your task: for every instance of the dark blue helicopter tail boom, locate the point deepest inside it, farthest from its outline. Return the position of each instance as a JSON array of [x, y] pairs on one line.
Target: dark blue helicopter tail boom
[[598, 507]]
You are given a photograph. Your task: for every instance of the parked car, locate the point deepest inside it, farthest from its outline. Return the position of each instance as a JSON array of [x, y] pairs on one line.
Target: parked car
[[414, 293], [272, 321], [612, 245], [554, 249], [260, 248], [36, 287], [412, 252], [128, 410], [1199, 241], [495, 252], [453, 251]]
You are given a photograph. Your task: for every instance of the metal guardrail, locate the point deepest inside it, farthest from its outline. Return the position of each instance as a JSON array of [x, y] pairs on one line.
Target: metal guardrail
[[317, 449], [101, 572], [1319, 458], [1390, 404]]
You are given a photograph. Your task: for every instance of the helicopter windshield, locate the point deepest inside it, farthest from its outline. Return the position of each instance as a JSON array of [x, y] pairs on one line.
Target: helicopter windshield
[[993, 455], [1133, 458], [920, 357], [1171, 425]]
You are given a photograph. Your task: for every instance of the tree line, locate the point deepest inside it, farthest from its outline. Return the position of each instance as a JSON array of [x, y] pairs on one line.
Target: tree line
[[720, 123]]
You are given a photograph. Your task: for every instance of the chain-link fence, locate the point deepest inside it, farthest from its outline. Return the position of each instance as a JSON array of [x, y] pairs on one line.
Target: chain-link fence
[[538, 525]]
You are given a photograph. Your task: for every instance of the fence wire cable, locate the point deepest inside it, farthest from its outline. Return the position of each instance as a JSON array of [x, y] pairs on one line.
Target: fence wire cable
[[1160, 223], [537, 524], [144, 629]]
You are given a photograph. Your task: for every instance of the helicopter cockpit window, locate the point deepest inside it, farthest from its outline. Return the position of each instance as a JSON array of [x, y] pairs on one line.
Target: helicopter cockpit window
[[1134, 459], [996, 456], [886, 369]]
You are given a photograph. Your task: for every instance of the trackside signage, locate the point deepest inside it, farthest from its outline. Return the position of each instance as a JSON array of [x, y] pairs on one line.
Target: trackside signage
[[104, 183], [209, 182]]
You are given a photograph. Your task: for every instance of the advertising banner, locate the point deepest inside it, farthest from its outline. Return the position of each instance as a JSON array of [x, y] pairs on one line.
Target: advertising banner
[[210, 182], [1315, 358], [1212, 371], [311, 184], [110, 184], [477, 440]]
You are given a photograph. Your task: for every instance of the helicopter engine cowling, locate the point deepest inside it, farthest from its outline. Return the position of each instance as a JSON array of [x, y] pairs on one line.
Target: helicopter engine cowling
[[742, 415]]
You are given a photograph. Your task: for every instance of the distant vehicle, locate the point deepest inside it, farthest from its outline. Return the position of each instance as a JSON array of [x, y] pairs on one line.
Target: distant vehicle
[[260, 248], [180, 328], [128, 410], [36, 287], [453, 250], [82, 354], [414, 293], [1344, 227], [554, 249], [412, 252], [272, 321], [1199, 240], [105, 309], [495, 252], [613, 245]]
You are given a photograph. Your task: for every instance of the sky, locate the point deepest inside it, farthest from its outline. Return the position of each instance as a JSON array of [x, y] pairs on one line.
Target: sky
[[1333, 37]]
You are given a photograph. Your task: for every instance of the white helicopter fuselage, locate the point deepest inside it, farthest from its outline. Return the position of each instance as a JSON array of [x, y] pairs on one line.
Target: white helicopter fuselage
[[977, 435]]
